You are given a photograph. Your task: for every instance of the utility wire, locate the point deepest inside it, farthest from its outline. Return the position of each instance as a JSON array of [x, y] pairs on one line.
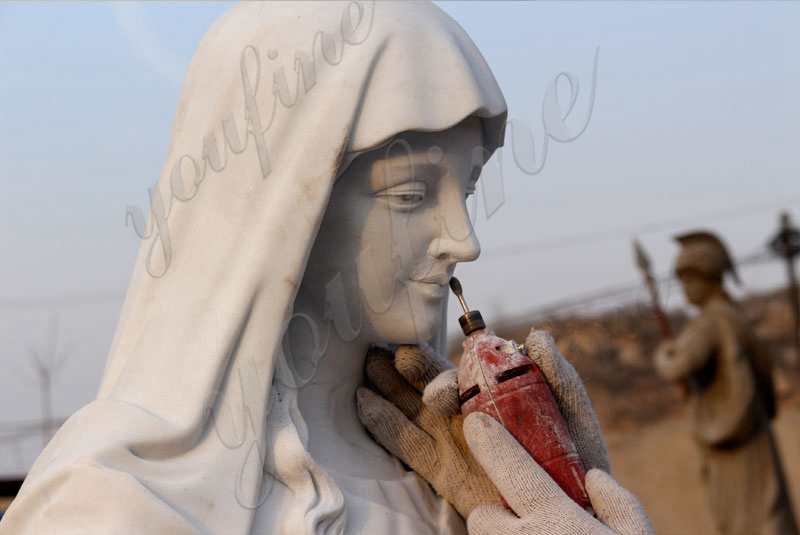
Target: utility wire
[[496, 253], [582, 238], [70, 299], [24, 429], [618, 291], [10, 431]]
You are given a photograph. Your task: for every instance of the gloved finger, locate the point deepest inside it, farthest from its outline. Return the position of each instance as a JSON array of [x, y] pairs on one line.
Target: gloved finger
[[550, 519], [441, 394], [491, 520], [615, 506], [419, 365], [387, 380], [396, 433], [521, 481], [572, 399]]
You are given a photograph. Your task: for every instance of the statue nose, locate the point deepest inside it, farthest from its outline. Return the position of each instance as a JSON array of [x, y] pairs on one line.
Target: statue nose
[[465, 249], [457, 241]]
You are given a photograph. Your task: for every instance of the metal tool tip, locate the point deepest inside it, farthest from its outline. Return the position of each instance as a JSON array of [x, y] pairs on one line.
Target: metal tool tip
[[455, 285]]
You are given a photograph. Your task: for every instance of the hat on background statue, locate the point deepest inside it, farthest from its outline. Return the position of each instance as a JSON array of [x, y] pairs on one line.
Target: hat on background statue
[[704, 252]]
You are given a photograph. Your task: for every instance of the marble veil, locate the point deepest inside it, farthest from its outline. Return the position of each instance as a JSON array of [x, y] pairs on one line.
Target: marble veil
[[277, 99]]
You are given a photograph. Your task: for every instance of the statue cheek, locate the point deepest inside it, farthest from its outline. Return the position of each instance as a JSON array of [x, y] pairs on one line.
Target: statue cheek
[[380, 273]]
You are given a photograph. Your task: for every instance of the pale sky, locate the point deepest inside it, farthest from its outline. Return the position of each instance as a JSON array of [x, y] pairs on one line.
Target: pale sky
[[695, 122]]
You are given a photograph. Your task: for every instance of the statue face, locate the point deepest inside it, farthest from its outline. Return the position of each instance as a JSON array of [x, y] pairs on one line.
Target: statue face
[[395, 228], [697, 287]]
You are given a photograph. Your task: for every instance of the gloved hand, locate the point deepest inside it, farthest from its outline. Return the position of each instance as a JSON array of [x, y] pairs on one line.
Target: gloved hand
[[541, 507], [572, 399], [425, 437], [441, 398], [441, 394]]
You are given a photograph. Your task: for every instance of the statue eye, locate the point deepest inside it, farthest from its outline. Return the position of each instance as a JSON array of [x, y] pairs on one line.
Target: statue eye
[[407, 196]]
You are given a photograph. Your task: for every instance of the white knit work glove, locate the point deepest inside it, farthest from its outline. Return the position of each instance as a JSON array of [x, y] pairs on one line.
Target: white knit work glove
[[572, 398], [441, 398], [540, 506], [425, 438]]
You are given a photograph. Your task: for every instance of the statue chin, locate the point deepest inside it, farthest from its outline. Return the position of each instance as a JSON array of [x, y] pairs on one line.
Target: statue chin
[[408, 335]]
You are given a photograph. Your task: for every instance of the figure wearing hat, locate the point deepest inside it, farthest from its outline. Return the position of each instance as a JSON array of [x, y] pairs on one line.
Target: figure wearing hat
[[729, 377]]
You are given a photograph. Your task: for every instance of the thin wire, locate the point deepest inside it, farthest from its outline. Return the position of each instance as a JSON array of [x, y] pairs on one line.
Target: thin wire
[[581, 238], [757, 257], [515, 249], [61, 300]]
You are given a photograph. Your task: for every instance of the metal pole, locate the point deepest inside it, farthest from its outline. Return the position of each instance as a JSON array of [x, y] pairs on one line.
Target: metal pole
[[786, 243], [643, 263]]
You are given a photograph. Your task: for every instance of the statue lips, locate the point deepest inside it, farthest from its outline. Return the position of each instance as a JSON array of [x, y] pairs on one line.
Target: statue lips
[[435, 286], [431, 289]]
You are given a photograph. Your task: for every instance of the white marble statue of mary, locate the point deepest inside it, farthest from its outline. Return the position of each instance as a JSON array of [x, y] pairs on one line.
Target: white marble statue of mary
[[312, 204]]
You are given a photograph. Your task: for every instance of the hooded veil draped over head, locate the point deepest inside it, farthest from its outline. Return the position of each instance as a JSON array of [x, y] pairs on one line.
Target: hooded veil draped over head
[[194, 428]]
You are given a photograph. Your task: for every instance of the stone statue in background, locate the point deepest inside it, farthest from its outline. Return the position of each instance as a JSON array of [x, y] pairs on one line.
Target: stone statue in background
[[729, 377]]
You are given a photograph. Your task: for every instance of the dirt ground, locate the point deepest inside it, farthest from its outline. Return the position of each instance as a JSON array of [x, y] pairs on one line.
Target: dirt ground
[[660, 464]]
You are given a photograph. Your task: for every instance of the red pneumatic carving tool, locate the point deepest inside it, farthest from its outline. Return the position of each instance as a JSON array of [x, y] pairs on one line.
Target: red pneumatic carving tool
[[497, 378]]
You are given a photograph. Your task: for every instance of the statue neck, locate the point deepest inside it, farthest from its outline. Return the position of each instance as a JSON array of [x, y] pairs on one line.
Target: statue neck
[[329, 375], [718, 294]]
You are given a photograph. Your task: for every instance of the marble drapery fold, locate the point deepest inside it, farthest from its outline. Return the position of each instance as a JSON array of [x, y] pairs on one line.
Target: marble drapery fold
[[188, 433]]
